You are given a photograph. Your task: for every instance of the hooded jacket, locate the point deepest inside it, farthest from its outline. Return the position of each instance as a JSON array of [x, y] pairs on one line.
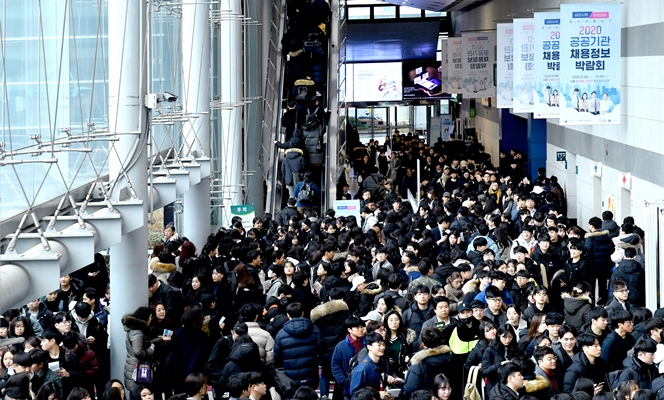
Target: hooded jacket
[[622, 242], [264, 341], [425, 365], [298, 347], [414, 318], [633, 274], [520, 241], [44, 316], [600, 247], [581, 368], [138, 346], [243, 358], [612, 227], [639, 371], [576, 309], [292, 163], [161, 270], [367, 296], [491, 362], [330, 318]]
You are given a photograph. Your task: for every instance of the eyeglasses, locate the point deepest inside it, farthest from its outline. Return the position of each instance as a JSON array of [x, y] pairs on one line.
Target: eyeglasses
[[621, 291], [549, 359], [496, 299]]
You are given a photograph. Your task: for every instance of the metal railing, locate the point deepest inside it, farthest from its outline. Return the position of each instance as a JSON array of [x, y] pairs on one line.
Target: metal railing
[[270, 154]]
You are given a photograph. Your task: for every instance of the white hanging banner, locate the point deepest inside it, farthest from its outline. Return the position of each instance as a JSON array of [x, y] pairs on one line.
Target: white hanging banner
[[524, 64], [478, 59], [445, 66], [590, 63], [455, 64], [505, 65], [547, 66]]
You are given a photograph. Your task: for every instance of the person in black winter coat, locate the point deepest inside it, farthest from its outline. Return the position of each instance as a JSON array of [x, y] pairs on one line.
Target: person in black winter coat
[[501, 350], [577, 304], [419, 311], [243, 357], [330, 319], [618, 342], [298, 348], [487, 334], [632, 273], [302, 292], [600, 247], [293, 167], [434, 359], [576, 267], [511, 383], [587, 363], [640, 366]]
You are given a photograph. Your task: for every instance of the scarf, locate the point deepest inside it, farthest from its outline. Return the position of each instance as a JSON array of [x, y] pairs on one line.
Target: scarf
[[357, 344]]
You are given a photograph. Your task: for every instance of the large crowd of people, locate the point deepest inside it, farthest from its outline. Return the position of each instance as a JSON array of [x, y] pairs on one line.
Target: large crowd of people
[[485, 282], [483, 290]]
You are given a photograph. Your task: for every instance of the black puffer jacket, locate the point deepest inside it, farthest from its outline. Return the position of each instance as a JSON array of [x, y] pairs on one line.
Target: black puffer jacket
[[576, 309], [581, 368], [638, 371], [424, 367], [244, 358], [600, 247], [631, 272], [329, 318], [501, 391]]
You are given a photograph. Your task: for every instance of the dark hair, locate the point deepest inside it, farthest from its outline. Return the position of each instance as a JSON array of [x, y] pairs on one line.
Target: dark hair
[[431, 337], [194, 382], [586, 340], [243, 276], [305, 393], [47, 390], [374, 338], [78, 393], [506, 370], [366, 393], [584, 385], [620, 317], [52, 333], [643, 394], [135, 394], [421, 394], [596, 313], [565, 328], [27, 327], [542, 351], [192, 318], [237, 383], [295, 310], [643, 345], [112, 393]]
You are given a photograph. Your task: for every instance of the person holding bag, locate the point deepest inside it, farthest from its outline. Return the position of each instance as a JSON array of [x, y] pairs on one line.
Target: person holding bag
[[139, 351]]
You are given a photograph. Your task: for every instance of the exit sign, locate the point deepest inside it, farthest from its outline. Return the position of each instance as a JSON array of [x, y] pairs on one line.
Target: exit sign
[[561, 156]]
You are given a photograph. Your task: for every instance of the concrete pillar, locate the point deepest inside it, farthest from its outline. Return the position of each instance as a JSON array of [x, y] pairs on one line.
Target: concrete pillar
[[195, 100], [254, 110], [127, 85], [230, 82]]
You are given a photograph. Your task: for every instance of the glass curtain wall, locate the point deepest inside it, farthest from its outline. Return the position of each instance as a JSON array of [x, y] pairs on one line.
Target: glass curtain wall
[[53, 111]]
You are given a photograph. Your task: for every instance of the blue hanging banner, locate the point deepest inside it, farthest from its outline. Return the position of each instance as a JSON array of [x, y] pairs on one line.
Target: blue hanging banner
[[547, 66], [590, 63]]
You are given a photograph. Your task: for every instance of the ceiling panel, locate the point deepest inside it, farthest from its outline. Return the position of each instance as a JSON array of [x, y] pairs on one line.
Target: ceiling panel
[[439, 5]]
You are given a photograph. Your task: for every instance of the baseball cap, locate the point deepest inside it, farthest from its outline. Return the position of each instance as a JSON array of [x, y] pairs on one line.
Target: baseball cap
[[464, 307]]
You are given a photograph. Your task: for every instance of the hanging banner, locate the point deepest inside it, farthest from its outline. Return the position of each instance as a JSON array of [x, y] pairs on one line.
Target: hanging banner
[[590, 63], [478, 65], [524, 65], [505, 67], [445, 66], [455, 65], [547, 66]]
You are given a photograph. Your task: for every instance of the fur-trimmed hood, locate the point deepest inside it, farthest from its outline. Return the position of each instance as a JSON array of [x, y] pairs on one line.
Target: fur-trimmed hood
[[597, 233], [630, 240], [131, 323], [328, 308], [372, 288], [294, 150], [411, 335], [422, 355], [469, 287], [162, 267], [537, 384], [412, 268]]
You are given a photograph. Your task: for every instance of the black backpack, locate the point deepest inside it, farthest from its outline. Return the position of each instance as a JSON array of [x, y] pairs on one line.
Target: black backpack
[[302, 93], [306, 193]]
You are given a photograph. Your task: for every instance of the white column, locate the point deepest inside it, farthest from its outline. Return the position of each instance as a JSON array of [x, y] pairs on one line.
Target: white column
[[127, 84], [195, 91], [230, 77]]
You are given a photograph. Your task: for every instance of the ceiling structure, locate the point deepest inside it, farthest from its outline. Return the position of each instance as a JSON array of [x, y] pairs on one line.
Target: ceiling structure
[[439, 5]]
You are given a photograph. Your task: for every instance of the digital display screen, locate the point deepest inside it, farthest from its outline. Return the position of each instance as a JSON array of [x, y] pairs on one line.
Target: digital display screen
[[422, 80], [374, 82]]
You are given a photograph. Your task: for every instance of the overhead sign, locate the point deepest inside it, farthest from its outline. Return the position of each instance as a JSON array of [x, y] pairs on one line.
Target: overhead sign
[[505, 65], [344, 208], [561, 156], [590, 63], [547, 65], [246, 212], [524, 65], [596, 169], [478, 57]]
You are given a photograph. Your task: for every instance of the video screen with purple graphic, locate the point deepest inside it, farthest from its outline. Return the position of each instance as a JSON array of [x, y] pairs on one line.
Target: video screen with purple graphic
[[422, 80]]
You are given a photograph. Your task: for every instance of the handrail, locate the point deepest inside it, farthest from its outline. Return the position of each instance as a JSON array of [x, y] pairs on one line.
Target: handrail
[[270, 156]]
